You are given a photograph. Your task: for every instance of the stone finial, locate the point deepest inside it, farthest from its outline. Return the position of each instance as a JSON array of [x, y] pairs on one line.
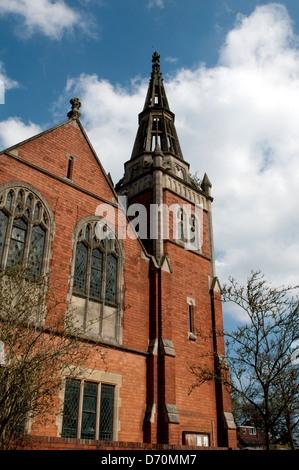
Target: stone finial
[[156, 58], [76, 105]]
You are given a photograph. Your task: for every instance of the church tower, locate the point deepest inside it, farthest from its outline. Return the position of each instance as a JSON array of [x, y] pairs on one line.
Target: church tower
[[171, 213]]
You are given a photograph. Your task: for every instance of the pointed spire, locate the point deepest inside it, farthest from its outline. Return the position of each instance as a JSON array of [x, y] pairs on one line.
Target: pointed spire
[[156, 95], [156, 121]]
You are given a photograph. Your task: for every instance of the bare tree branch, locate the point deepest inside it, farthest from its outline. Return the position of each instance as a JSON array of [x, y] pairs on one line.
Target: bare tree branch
[[259, 351], [41, 345]]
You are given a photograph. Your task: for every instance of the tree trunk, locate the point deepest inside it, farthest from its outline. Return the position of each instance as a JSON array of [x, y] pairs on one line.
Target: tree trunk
[[290, 431]]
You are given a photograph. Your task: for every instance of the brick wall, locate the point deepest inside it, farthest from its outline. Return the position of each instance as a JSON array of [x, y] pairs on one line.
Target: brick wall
[[55, 443]]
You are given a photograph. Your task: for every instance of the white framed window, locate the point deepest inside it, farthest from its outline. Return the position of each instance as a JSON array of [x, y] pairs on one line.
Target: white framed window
[[202, 440], [199, 439]]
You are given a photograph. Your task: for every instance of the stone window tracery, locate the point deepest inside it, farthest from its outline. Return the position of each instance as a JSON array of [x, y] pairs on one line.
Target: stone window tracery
[[26, 224], [96, 279], [95, 272]]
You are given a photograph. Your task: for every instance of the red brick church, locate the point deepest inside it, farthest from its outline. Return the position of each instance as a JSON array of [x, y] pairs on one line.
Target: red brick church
[[142, 292]]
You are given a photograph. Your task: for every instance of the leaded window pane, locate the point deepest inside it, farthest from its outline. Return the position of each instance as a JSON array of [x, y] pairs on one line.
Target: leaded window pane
[[9, 200], [80, 268], [96, 273], [96, 265], [36, 212], [3, 228], [24, 242], [35, 257], [106, 412], [111, 275], [17, 242], [89, 410], [71, 408], [87, 232]]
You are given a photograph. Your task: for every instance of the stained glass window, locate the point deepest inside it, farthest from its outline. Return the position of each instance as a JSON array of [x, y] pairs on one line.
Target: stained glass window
[[111, 278], [87, 232], [96, 273], [17, 242], [9, 200], [36, 212], [36, 251], [80, 268], [22, 239], [96, 265]]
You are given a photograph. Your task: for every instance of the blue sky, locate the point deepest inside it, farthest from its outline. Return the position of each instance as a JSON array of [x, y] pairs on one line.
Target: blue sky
[[113, 39], [231, 72]]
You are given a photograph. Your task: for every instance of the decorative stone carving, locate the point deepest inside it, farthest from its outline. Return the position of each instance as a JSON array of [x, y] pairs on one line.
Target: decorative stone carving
[[76, 105]]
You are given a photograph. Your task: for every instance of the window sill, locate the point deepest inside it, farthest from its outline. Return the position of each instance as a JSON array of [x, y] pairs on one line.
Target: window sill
[[192, 336]]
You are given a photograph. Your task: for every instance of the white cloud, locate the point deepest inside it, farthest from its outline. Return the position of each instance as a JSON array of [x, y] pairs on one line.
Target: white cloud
[[9, 83], [51, 18], [171, 60], [156, 3], [14, 130], [6, 83], [110, 117]]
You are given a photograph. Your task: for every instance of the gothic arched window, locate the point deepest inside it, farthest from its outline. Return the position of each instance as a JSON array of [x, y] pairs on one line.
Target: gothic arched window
[[97, 272], [96, 261], [25, 226]]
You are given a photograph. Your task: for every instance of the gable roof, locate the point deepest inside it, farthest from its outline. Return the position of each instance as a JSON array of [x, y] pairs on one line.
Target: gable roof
[[76, 123]]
